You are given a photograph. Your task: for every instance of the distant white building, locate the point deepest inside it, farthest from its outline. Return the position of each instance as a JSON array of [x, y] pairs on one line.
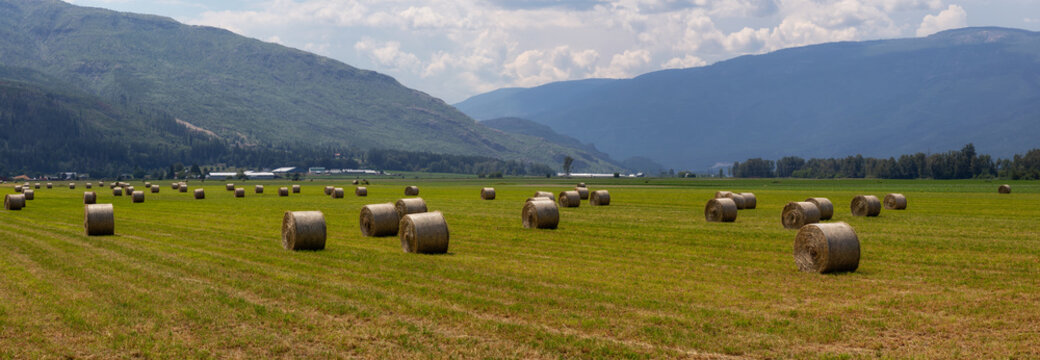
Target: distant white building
[[595, 175], [252, 175], [284, 170]]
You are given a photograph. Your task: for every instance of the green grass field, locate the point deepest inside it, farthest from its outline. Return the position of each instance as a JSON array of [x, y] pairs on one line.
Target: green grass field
[[953, 276]]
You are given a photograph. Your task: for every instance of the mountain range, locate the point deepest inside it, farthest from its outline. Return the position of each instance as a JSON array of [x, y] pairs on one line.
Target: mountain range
[[234, 89], [876, 98]]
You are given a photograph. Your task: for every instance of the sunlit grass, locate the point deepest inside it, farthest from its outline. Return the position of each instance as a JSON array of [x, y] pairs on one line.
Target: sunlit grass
[[955, 275]]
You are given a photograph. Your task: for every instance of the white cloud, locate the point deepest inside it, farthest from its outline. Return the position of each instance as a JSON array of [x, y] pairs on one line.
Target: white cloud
[[687, 61], [951, 18]]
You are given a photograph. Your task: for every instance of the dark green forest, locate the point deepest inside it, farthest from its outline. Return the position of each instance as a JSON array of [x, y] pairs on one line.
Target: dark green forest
[[963, 164]]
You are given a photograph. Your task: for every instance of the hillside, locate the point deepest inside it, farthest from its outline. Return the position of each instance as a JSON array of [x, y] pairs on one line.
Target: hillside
[[243, 90], [876, 98]]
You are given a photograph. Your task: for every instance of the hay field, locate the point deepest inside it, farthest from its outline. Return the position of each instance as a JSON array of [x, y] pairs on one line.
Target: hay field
[[956, 275]]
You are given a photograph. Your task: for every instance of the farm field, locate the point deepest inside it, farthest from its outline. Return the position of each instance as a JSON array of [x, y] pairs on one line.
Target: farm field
[[956, 275]]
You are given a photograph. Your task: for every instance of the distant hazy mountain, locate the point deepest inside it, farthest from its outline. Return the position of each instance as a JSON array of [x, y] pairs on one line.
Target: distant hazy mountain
[[876, 98], [243, 90]]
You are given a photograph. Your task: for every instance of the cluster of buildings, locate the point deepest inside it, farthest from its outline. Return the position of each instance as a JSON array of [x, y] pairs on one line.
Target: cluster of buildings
[[285, 172]]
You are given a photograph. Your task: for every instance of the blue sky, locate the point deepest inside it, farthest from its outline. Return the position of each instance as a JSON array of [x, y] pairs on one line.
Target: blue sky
[[454, 49]]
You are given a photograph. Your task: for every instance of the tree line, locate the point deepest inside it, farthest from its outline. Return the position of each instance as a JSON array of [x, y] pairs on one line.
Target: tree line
[[963, 164]]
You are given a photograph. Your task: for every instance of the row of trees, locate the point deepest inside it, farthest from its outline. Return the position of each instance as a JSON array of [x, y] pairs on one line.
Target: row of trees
[[963, 164]]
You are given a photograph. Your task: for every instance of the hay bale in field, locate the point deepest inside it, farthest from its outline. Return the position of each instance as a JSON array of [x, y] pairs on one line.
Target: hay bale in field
[[720, 210], [750, 201], [599, 198], [155, 189], [229, 187], [99, 219], [29, 194], [409, 206], [117, 191], [88, 185], [544, 194], [240, 192], [487, 193], [182, 188], [175, 186], [355, 182], [329, 189], [50, 185], [259, 189], [797, 214], [89, 197], [129, 189], [424, 233], [411, 191], [1004, 189], [337, 193], [303, 230], [101, 184], [147, 184], [866, 205], [722, 194], [379, 220], [137, 197], [72, 186], [540, 213], [18, 189], [361, 191], [296, 189], [200, 194], [36, 185], [581, 184], [895, 202], [825, 206], [570, 198], [737, 198], [14, 202], [283, 191], [826, 248], [583, 192]]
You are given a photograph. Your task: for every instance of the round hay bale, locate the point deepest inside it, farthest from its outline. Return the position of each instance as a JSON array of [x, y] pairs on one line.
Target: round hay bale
[[117, 191], [824, 205], [337, 193], [89, 197], [240, 192], [18, 189], [72, 186], [303, 230], [737, 198], [409, 206], [599, 198], [147, 184], [175, 186], [866, 205], [155, 189], [355, 182], [487, 193], [283, 191], [750, 201], [88, 185], [379, 220], [581, 184], [722, 194], [540, 213], [182, 188], [101, 184], [14, 202], [137, 197], [200, 194], [424, 233], [1004, 189], [99, 219], [296, 189], [544, 194], [570, 198], [583, 192], [720, 210], [826, 248], [229, 187], [797, 214], [329, 189], [895, 202], [411, 191], [129, 190], [259, 189], [29, 194], [50, 185], [37, 185], [361, 191]]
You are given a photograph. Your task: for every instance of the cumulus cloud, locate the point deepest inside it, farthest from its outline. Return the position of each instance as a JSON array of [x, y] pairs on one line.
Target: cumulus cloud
[[457, 48], [951, 18]]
